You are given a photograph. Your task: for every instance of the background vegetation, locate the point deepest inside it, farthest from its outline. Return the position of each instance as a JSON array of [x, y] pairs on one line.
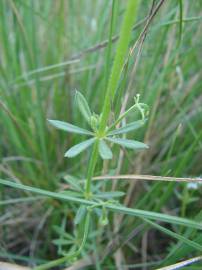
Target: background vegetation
[[49, 49]]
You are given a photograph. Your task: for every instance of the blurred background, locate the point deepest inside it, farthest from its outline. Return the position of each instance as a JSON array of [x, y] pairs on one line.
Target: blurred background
[[47, 50]]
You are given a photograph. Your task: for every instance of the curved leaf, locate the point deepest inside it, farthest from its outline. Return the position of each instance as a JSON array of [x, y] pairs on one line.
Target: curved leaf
[[128, 143], [83, 106], [69, 127], [78, 148], [127, 128], [104, 151], [175, 235]]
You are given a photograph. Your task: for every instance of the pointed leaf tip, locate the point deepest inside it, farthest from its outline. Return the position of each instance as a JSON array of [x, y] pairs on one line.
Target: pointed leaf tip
[[83, 106], [128, 143], [104, 151], [128, 127], [78, 148], [69, 127]]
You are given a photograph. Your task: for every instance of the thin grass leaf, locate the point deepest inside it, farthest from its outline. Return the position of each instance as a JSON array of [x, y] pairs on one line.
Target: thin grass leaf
[[104, 151], [114, 208], [128, 143], [181, 264], [122, 47], [78, 148], [180, 20], [83, 106], [72, 193], [109, 195], [21, 200], [127, 128], [69, 127], [175, 235], [62, 242]]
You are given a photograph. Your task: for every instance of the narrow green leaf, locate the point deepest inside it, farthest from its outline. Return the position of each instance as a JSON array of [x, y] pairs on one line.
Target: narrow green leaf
[[80, 214], [83, 106], [175, 235], [109, 195], [122, 47], [128, 143], [115, 208], [62, 242], [182, 264], [127, 128], [104, 151], [69, 127], [78, 148], [21, 200], [180, 20], [72, 193]]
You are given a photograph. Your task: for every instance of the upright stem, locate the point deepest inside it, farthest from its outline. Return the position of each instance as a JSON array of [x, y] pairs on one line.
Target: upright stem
[[64, 259], [121, 51], [122, 47], [91, 168]]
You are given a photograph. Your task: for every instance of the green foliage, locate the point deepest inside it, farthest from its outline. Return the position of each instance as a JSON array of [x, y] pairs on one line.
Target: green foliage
[[77, 149], [83, 106], [80, 214], [127, 128], [104, 150], [49, 48], [69, 127], [128, 143]]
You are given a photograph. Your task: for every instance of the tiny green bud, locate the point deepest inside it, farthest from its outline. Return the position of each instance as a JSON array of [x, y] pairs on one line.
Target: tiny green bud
[[104, 221], [94, 121]]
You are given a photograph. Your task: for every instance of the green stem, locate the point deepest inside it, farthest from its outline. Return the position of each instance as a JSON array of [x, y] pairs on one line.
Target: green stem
[[122, 116], [111, 207], [71, 255], [112, 85], [91, 169], [94, 156], [121, 51]]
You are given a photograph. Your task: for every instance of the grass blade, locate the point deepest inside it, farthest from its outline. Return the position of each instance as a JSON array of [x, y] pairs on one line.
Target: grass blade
[[181, 264], [175, 235], [180, 20], [122, 46], [109, 194], [111, 207]]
